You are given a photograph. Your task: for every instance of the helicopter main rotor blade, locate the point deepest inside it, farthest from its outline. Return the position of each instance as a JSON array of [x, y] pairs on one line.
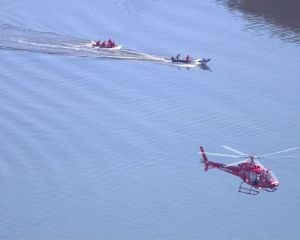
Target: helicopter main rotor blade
[[234, 150], [277, 157], [278, 152], [221, 155]]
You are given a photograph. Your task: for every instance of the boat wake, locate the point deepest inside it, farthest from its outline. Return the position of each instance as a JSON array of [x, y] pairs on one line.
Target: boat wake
[[21, 39]]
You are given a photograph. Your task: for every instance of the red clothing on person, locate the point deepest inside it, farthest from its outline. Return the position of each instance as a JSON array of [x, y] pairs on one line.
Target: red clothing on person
[[188, 58]]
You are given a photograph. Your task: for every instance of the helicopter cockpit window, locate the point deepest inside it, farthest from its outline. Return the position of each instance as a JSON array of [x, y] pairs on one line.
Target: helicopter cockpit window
[[259, 178], [253, 177], [270, 177]]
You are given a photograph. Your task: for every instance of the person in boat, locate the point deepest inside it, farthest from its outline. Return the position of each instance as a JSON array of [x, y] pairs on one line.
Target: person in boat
[[103, 44], [188, 58], [109, 42], [96, 44], [177, 57]]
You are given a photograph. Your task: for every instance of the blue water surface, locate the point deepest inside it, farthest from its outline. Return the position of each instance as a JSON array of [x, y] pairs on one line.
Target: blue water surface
[[101, 148]]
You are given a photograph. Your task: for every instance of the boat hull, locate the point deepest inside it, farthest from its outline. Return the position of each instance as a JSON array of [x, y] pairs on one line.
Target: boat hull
[[192, 62]]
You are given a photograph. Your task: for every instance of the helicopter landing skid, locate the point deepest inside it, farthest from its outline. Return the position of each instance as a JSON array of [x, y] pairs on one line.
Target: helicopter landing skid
[[269, 189], [246, 190]]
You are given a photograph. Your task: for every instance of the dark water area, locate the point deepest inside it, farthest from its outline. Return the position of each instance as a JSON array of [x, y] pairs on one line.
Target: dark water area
[[277, 14]]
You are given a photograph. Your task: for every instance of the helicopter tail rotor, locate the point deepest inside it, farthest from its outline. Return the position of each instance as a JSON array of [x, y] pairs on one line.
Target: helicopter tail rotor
[[205, 159]]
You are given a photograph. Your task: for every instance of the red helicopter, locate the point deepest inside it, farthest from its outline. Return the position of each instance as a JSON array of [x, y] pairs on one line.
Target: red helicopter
[[249, 170]]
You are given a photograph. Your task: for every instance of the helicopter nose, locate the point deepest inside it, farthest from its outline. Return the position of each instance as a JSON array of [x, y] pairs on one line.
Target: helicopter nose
[[275, 184]]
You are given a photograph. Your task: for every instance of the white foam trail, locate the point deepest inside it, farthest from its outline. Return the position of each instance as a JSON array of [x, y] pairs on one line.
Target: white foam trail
[[14, 38]]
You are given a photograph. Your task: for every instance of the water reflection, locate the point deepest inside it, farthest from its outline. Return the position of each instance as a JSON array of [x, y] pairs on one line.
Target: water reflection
[[201, 67], [281, 17]]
